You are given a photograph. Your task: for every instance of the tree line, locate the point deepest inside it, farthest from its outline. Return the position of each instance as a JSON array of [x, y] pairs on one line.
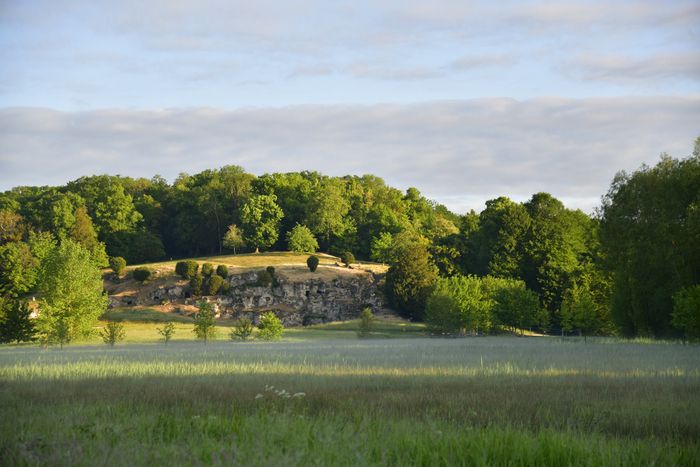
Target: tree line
[[631, 268]]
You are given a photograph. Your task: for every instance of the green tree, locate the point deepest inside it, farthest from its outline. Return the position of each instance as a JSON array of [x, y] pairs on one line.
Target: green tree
[[18, 269], [380, 250], [167, 331], [71, 290], [411, 275], [112, 333], [301, 240], [205, 321], [516, 306], [15, 322], [242, 329], [82, 230], [261, 218], [686, 311], [196, 284], [270, 327], [347, 258], [579, 311], [366, 322], [650, 235], [233, 238], [327, 216]]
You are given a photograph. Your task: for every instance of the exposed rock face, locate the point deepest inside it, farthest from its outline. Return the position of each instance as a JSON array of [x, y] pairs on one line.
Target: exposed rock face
[[297, 300], [304, 302]]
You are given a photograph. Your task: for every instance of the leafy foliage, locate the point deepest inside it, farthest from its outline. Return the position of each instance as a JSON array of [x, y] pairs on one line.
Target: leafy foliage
[[222, 271], [187, 269], [207, 269], [196, 284], [347, 258], [214, 284], [366, 322], [18, 269], [242, 329], [117, 264], [410, 276], [301, 240], [71, 291], [650, 234], [686, 311], [261, 218], [15, 322], [270, 327], [233, 238], [167, 331], [112, 333]]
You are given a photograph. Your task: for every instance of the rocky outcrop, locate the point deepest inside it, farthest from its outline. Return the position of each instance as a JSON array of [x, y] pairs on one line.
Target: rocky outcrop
[[303, 302], [296, 299]]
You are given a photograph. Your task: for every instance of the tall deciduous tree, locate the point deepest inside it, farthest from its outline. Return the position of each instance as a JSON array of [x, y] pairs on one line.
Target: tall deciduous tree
[[411, 274], [233, 238], [301, 240], [18, 269], [261, 218], [71, 291], [650, 233]]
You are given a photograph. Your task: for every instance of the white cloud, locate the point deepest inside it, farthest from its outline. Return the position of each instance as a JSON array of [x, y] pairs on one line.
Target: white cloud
[[632, 69], [456, 152]]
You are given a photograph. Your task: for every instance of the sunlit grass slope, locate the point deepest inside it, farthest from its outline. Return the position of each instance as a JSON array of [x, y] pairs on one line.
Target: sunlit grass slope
[[350, 401]]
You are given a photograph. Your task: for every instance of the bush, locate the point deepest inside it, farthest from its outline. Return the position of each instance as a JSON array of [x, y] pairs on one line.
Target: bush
[[214, 285], [242, 329], [442, 315], [264, 278], [196, 283], [186, 269], [142, 274], [270, 270], [270, 327], [347, 258], [167, 331], [222, 271], [112, 333], [312, 262], [118, 264], [366, 322], [205, 321], [225, 288], [207, 269]]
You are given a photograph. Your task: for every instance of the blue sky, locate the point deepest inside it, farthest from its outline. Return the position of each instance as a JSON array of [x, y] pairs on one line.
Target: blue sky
[[464, 100]]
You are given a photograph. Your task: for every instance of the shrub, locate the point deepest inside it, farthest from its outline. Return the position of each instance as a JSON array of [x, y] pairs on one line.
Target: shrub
[[118, 264], [264, 278], [225, 288], [142, 274], [270, 327], [196, 283], [270, 270], [242, 329], [112, 333], [366, 322], [205, 322], [301, 240], [312, 262], [347, 258], [222, 271], [214, 285], [167, 331], [186, 269], [207, 269]]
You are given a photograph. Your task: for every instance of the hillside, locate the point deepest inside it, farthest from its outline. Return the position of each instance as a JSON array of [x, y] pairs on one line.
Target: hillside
[[300, 296]]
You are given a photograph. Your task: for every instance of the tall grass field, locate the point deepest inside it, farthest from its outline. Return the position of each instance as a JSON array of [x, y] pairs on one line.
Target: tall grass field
[[349, 401]]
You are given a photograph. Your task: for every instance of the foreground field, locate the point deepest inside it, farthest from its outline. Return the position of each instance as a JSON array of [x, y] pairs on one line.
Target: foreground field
[[421, 401]]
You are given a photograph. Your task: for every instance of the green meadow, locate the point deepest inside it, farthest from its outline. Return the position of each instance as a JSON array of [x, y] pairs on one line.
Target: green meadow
[[324, 397]]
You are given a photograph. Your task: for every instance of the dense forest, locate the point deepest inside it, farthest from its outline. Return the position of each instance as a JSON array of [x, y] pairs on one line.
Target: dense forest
[[632, 268]]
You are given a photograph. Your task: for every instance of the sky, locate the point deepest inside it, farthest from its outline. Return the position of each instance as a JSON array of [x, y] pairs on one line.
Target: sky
[[465, 100]]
